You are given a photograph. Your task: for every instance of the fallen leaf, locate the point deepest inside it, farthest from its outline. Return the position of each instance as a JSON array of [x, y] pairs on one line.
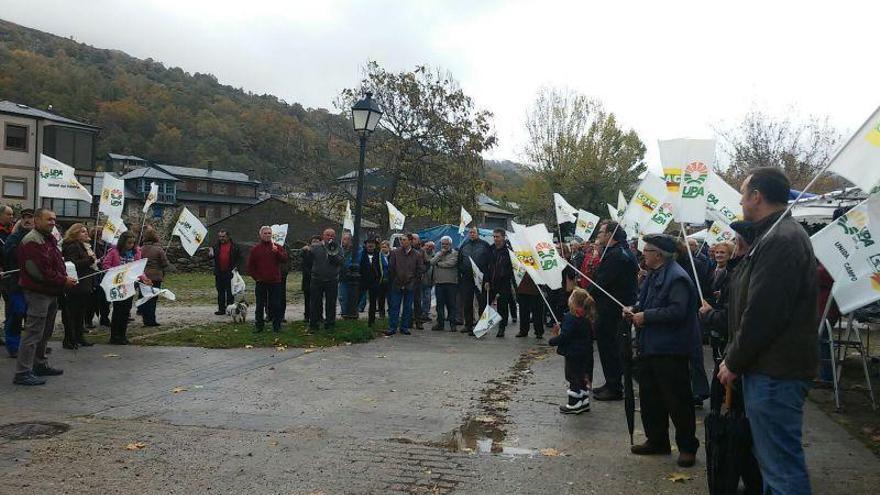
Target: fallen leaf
[[111, 355], [551, 453], [273, 444], [306, 351], [679, 477], [177, 390], [136, 446], [281, 348], [198, 386], [485, 419], [348, 343], [248, 346], [380, 356]]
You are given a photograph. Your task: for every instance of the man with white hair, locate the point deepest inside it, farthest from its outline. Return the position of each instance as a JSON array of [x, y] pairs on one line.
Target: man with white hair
[[444, 265], [264, 266]]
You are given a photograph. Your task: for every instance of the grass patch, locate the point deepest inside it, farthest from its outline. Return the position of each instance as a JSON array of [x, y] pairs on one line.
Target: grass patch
[[238, 335], [197, 288]]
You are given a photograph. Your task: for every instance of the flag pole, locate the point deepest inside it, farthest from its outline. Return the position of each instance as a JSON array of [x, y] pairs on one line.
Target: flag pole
[[622, 306], [693, 265], [606, 244], [95, 240], [549, 308], [141, 233]]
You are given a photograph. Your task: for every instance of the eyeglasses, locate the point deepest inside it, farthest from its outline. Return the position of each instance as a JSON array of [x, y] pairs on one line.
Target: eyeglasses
[[650, 250]]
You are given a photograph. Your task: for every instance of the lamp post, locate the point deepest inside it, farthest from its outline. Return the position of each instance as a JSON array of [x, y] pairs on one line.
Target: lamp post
[[365, 116]]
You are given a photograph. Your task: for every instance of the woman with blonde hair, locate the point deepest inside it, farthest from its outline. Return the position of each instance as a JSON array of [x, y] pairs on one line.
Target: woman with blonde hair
[[574, 341], [76, 248], [157, 263]]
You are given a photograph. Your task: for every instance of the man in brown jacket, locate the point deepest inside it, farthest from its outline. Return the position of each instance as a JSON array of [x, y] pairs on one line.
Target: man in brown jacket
[[405, 265], [773, 321]]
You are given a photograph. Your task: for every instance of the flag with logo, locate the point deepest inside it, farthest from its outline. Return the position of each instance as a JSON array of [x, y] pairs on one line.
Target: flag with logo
[[687, 164], [478, 274], [58, 180], [659, 219], [849, 248], [621, 204], [546, 259], [152, 196], [348, 220], [113, 229], [148, 292], [519, 270], [859, 159], [489, 320], [585, 225], [719, 232], [464, 221], [112, 196], [118, 282], [523, 254], [722, 200], [649, 195], [564, 211], [395, 217], [279, 233], [190, 231]]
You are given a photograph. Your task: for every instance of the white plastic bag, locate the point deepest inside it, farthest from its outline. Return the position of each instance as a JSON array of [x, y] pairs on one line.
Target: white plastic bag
[[71, 270], [238, 285]]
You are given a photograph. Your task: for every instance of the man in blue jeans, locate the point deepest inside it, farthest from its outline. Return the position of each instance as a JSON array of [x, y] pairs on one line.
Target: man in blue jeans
[[773, 321], [404, 266]]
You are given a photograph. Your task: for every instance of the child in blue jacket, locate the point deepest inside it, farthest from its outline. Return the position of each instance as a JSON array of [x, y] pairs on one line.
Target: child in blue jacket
[[574, 341]]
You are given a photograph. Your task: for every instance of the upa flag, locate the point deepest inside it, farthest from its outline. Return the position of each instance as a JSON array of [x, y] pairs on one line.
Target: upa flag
[[113, 228], [585, 225], [489, 320], [719, 232], [523, 254], [58, 180], [687, 164], [190, 231], [859, 159], [564, 211], [112, 196], [849, 247], [348, 221], [519, 270], [118, 282], [722, 200], [279, 233], [148, 292], [395, 217], [478, 275], [152, 196], [465, 220], [659, 219], [546, 258], [613, 212], [621, 205], [651, 192]]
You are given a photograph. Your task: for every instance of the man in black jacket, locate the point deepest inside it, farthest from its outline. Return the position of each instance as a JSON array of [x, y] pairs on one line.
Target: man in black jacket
[[616, 274], [773, 320], [226, 258], [327, 257], [499, 277], [306, 283], [473, 248]]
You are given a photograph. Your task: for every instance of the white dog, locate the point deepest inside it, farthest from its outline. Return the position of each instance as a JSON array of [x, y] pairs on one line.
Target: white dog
[[238, 311]]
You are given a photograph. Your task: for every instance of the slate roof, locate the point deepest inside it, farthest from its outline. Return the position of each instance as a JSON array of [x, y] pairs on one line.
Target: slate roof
[[149, 173], [9, 107], [201, 173], [214, 198]]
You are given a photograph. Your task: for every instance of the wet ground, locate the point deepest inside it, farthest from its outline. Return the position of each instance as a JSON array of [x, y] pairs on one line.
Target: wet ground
[[435, 413]]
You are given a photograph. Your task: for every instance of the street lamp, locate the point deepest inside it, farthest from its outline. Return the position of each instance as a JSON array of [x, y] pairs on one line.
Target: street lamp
[[365, 116]]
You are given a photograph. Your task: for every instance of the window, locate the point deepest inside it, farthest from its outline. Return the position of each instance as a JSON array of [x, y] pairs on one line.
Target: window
[[218, 188], [16, 137], [202, 186], [14, 188], [203, 211], [245, 191]]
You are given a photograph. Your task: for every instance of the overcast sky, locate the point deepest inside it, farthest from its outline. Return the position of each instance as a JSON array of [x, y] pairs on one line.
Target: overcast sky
[[667, 69]]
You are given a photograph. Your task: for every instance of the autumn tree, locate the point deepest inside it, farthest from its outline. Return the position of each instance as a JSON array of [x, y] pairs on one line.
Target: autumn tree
[[800, 148], [576, 148], [430, 143]]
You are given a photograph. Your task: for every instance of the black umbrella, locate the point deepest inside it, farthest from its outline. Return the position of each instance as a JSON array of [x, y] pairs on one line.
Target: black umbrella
[[729, 455], [629, 400]]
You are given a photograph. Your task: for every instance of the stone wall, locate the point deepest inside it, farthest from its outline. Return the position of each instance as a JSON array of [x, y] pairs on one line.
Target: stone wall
[[201, 261]]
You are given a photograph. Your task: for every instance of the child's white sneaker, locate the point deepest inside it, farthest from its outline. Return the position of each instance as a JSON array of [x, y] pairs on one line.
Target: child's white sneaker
[[578, 402]]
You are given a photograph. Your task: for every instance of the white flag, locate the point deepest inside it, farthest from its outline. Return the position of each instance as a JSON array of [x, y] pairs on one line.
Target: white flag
[[723, 200], [585, 225], [348, 221], [466, 219], [719, 232], [118, 282], [849, 247], [113, 228], [613, 212], [546, 258], [58, 180], [395, 217], [651, 192], [489, 320], [859, 159], [687, 164], [621, 205], [564, 211], [519, 270], [478, 275], [279, 233], [152, 196], [190, 231], [112, 196], [523, 254], [148, 292], [659, 219]]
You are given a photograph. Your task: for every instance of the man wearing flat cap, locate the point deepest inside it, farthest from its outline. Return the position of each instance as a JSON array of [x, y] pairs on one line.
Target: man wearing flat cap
[[666, 317]]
